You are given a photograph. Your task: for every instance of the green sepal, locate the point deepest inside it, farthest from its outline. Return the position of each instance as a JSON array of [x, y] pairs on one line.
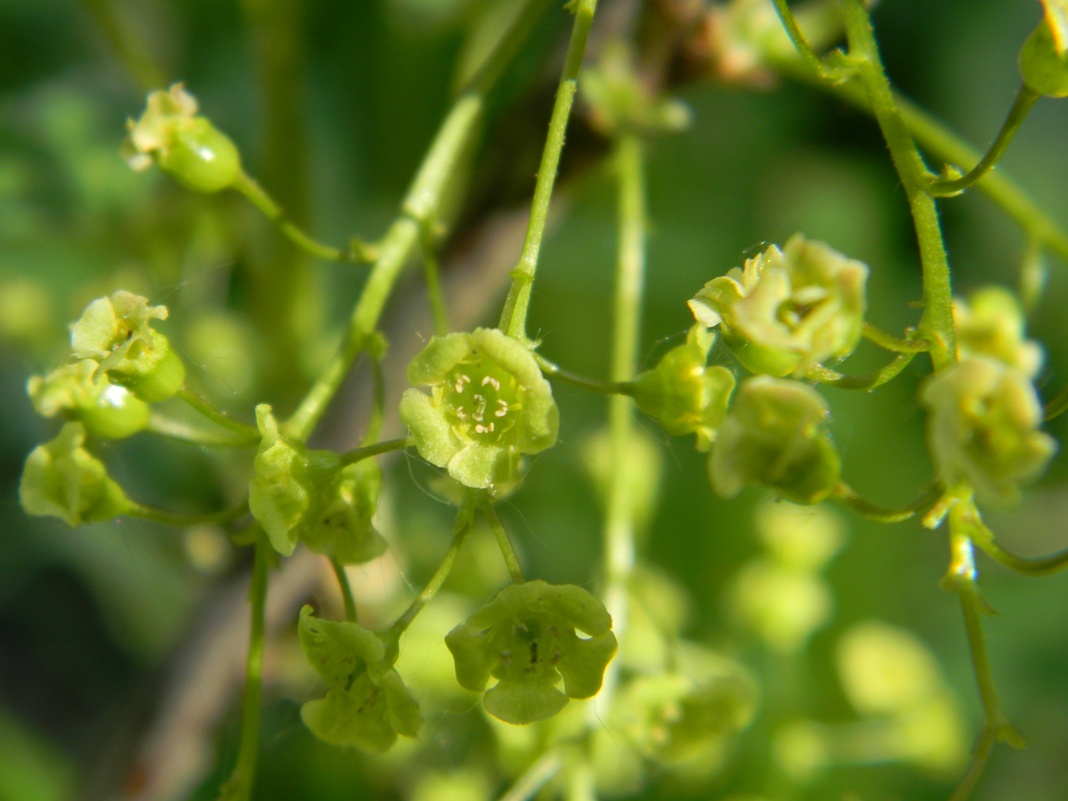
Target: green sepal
[[116, 332], [1043, 67], [683, 393], [366, 704], [62, 479], [341, 525], [106, 409], [775, 435], [527, 637], [185, 145]]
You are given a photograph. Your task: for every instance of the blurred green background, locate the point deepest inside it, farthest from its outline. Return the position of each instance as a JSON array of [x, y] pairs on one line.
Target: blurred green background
[[332, 105]]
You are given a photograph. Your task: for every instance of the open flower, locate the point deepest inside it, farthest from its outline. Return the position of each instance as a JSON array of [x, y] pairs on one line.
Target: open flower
[[185, 145], [787, 310], [366, 704], [991, 323], [530, 637], [488, 405], [982, 428]]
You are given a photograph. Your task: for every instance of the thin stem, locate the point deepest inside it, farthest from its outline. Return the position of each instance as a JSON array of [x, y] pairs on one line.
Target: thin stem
[[534, 778], [889, 342], [511, 559], [378, 401], [167, 518], [130, 48], [218, 416], [239, 786], [420, 204], [346, 589], [462, 527], [866, 382], [514, 316], [936, 323], [1025, 99], [432, 274], [606, 387], [971, 522], [1057, 406], [184, 432], [378, 448], [847, 496], [801, 44], [273, 212]]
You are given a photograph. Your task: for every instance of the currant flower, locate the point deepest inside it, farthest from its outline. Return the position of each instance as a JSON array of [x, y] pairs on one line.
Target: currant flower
[[303, 495], [1043, 60], [366, 704], [776, 435], [62, 479], [116, 332], [991, 323], [530, 637], [106, 409], [787, 310], [683, 393], [489, 404], [185, 145], [982, 428]]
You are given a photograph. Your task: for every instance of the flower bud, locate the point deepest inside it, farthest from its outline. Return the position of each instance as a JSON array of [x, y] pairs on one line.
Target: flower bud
[[186, 146], [527, 637], [787, 310], [366, 704], [488, 405], [106, 409], [991, 323], [683, 393], [62, 479], [775, 434], [982, 428], [116, 333], [1044, 67]]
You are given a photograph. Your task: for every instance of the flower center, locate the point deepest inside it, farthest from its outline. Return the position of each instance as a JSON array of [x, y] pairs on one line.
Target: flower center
[[482, 401]]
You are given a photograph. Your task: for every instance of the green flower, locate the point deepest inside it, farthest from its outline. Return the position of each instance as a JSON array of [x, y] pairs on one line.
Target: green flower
[[488, 405], [366, 704], [684, 394], [787, 310], [776, 435], [186, 146], [991, 323], [622, 102], [106, 409], [62, 479], [982, 428], [302, 495], [116, 333], [529, 637], [1043, 62]]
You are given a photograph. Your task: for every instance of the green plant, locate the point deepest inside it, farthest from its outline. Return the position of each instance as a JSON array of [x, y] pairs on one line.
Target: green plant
[[484, 408]]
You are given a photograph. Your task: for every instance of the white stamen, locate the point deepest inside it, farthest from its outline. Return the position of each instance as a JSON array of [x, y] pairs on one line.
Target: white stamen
[[493, 382]]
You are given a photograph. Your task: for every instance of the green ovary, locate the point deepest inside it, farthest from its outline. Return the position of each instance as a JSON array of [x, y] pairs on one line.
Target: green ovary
[[482, 403]]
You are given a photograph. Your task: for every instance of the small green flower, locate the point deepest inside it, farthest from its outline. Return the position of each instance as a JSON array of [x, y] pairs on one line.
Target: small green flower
[[488, 405], [787, 310], [366, 704], [106, 409], [116, 333], [622, 102], [684, 394], [982, 428], [185, 145], [303, 495], [1043, 65], [776, 435], [62, 479], [991, 323], [529, 637]]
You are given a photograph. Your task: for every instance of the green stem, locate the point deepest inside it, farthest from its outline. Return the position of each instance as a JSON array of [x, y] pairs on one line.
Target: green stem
[[432, 274], [847, 496], [1025, 99], [462, 527], [801, 44], [239, 786], [1057, 406], [218, 416], [167, 518], [889, 342], [378, 448], [534, 778], [936, 323], [866, 382], [514, 316], [378, 401], [184, 432], [511, 559], [138, 59], [971, 522], [606, 387], [273, 212], [420, 204], [346, 589]]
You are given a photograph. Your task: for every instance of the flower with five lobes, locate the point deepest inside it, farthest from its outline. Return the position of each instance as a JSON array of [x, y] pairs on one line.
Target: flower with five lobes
[[366, 704], [488, 405], [787, 310], [982, 428], [116, 332], [185, 145], [527, 637]]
